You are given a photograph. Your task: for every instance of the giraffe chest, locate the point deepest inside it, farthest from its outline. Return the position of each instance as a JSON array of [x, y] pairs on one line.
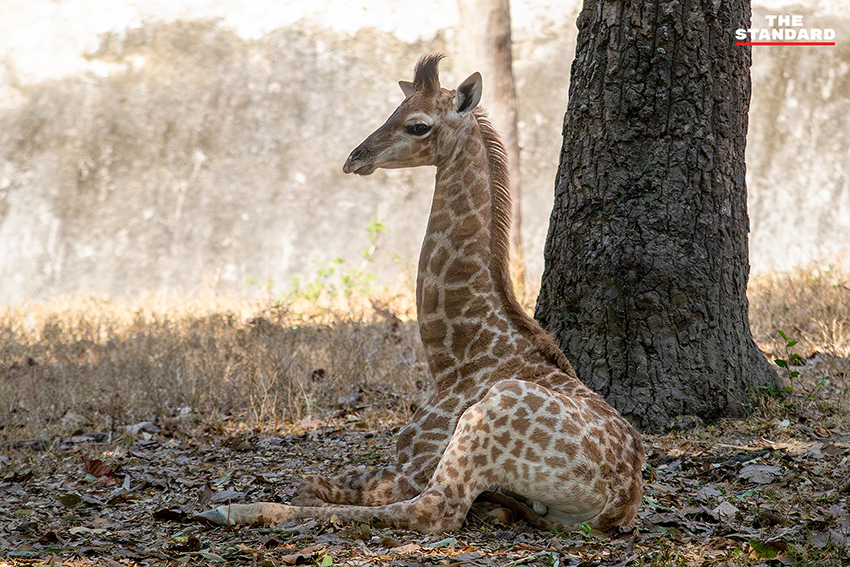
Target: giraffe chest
[[422, 442]]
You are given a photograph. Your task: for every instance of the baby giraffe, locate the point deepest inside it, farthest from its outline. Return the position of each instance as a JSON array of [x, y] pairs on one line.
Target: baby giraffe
[[508, 413]]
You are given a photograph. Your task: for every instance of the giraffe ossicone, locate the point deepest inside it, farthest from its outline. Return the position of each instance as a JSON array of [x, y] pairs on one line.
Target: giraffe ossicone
[[508, 413]]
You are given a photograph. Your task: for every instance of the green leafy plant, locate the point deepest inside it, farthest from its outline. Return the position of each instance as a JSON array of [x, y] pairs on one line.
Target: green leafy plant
[[374, 229], [552, 560], [324, 283], [264, 285], [774, 392], [335, 278], [791, 358]]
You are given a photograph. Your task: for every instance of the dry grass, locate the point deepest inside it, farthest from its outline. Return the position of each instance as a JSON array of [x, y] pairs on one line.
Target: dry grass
[[89, 364], [97, 365], [812, 304]]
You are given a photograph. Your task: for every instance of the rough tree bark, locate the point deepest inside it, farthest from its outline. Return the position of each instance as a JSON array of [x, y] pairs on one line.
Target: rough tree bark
[[646, 259], [484, 45]]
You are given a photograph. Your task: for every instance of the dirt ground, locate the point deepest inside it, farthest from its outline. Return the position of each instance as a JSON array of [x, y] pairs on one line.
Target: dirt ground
[[121, 420], [760, 492]]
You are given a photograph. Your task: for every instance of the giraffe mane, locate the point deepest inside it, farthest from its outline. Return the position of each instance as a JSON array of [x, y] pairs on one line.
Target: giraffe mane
[[500, 197], [426, 76]]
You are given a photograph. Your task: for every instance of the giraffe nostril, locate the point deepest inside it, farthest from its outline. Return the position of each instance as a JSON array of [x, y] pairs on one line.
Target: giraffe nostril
[[359, 153]]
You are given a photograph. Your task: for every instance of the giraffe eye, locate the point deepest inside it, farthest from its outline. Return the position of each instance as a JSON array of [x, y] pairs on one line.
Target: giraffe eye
[[418, 128]]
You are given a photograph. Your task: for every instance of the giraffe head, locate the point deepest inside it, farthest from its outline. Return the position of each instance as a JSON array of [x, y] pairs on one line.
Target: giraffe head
[[425, 128]]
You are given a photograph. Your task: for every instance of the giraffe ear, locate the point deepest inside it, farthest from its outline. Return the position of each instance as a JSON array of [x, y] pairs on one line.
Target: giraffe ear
[[406, 88], [468, 94]]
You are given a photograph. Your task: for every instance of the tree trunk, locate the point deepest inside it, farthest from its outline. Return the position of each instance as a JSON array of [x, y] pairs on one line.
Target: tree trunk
[[646, 260], [484, 45]]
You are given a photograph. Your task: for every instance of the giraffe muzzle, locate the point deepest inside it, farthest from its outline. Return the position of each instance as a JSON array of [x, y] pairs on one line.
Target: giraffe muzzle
[[359, 162]]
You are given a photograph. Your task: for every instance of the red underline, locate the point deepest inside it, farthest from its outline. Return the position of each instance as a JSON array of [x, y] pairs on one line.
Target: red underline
[[784, 43]]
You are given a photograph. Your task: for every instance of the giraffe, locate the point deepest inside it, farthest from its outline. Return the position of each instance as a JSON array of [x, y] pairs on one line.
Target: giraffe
[[508, 412]]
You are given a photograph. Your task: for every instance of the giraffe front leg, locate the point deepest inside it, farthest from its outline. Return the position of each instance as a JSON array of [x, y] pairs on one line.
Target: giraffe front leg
[[251, 514], [427, 512], [441, 506], [355, 488]]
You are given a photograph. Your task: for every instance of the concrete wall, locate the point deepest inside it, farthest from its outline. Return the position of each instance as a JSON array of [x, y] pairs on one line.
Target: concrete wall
[[798, 149], [193, 144]]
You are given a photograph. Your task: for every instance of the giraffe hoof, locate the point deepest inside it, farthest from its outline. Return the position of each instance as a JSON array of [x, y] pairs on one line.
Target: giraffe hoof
[[540, 508], [215, 517]]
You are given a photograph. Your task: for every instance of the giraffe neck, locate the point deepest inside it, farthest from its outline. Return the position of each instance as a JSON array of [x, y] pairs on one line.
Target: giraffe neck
[[462, 276], [464, 295]]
